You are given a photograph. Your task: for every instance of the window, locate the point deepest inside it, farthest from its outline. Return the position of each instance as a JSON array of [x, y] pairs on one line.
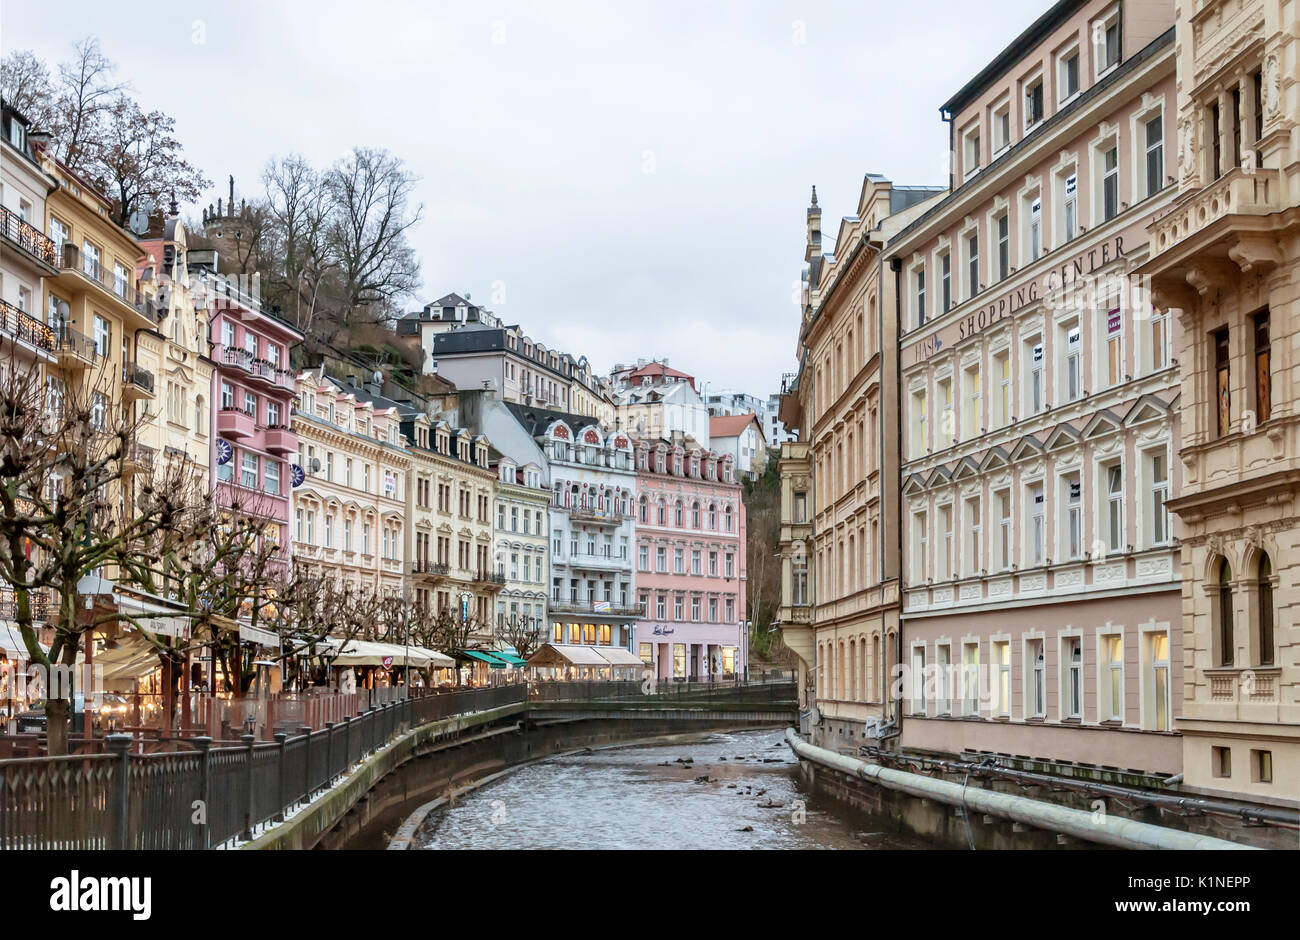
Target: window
[[1035, 228], [972, 154], [1159, 496], [945, 280], [1114, 676], [1225, 615], [1261, 766], [1070, 215], [1003, 502], [1073, 364], [973, 264], [947, 420], [975, 536], [920, 547], [1037, 680], [1155, 154], [1002, 679], [1073, 528], [1221, 761], [273, 477], [119, 280], [1216, 140], [1004, 246], [943, 566], [1114, 507], [970, 678], [90, 260], [1033, 102], [972, 419], [1073, 659], [1114, 348], [1002, 373], [920, 440], [1158, 680], [1110, 183], [1107, 38], [1159, 340], [248, 470], [1037, 523], [919, 296], [1263, 371], [918, 680], [1036, 378], [1002, 128], [103, 334], [1264, 616], [1067, 75], [1223, 393]]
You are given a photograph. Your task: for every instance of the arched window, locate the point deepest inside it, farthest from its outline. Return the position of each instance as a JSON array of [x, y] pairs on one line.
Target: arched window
[[677, 513], [660, 517], [727, 516], [713, 517], [695, 515], [1225, 614], [1265, 611], [645, 515]]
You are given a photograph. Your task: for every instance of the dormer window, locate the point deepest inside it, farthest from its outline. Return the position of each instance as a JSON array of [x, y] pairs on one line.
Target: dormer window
[[1106, 38], [1002, 127], [1033, 102], [1067, 75], [972, 152]]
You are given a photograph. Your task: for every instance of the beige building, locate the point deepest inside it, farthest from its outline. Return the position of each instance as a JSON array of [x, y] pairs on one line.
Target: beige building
[[1224, 262], [178, 352], [521, 500], [839, 484], [349, 511], [1040, 408]]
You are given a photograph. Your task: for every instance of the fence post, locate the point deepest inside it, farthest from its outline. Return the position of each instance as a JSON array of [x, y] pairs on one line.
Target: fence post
[[204, 745], [119, 745], [347, 742], [249, 740], [305, 731], [329, 753], [280, 739]]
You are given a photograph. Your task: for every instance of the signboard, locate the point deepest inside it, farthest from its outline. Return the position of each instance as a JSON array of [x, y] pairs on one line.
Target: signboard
[[1114, 320], [602, 607], [296, 475], [224, 452], [387, 661]]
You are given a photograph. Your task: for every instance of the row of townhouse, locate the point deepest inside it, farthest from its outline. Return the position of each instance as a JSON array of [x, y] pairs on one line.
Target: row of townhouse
[[1088, 487]]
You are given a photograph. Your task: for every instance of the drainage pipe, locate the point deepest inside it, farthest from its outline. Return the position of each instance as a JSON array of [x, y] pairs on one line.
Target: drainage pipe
[[1109, 830]]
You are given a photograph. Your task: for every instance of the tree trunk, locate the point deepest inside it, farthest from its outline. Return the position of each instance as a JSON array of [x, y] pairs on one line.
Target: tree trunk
[[57, 712]]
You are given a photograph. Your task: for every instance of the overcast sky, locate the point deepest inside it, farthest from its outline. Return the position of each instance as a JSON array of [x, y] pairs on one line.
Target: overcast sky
[[624, 179]]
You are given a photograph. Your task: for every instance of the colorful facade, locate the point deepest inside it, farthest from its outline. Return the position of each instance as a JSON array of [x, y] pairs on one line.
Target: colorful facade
[[690, 563]]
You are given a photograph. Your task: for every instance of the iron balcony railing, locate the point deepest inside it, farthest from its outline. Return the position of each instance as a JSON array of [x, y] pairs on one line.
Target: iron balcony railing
[[22, 325], [430, 567], [134, 374], [120, 287], [66, 338], [28, 237]]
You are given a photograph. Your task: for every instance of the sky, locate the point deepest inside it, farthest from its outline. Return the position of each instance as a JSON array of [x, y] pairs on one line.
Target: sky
[[625, 179]]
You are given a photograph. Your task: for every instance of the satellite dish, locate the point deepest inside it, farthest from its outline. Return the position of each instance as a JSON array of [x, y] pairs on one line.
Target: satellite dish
[[378, 377], [139, 221]]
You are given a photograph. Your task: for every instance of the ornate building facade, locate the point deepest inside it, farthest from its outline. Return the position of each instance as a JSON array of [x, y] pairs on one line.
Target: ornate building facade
[[1224, 262], [690, 562], [1040, 408]]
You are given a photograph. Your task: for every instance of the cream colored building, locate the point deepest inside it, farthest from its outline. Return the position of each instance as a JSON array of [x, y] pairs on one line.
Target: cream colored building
[[179, 352], [847, 390], [521, 503], [1224, 260], [451, 513], [350, 510]]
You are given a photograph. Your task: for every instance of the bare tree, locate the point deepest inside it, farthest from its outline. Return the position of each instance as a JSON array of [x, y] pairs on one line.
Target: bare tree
[[83, 98], [77, 495], [137, 158], [522, 633], [298, 219], [26, 86]]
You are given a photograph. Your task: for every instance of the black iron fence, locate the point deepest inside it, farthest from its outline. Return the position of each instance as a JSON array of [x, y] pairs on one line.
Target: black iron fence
[[204, 793], [735, 690]]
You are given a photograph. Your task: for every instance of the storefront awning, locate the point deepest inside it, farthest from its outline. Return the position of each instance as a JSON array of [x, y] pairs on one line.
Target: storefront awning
[[484, 657], [617, 656], [251, 634], [558, 654], [509, 658], [11, 642], [155, 614], [371, 653]]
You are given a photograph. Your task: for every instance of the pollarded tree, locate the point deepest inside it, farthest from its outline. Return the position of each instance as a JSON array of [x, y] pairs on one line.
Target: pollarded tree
[[78, 493]]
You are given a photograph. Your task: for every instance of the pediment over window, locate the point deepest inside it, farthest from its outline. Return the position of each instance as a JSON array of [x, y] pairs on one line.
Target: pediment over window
[[1147, 408], [966, 468], [1027, 448], [996, 457], [1060, 437], [1102, 423]]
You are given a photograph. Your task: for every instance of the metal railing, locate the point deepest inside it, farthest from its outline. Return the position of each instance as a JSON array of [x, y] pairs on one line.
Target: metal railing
[[28, 237], [123, 799], [137, 375], [81, 345], [120, 287], [735, 689], [22, 325]]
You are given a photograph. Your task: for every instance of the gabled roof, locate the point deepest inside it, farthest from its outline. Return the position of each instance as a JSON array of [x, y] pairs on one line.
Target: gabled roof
[[1146, 408], [733, 425], [1103, 421]]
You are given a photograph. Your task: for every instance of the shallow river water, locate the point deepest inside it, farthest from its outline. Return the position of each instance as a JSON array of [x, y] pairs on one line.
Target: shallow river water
[[642, 797]]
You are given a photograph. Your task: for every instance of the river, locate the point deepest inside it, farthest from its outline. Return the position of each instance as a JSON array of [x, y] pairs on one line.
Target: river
[[645, 797]]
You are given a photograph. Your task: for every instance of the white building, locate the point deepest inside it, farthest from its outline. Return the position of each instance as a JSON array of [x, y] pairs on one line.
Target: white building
[[742, 437]]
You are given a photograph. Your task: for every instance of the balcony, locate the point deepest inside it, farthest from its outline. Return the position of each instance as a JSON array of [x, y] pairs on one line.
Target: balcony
[[26, 328], [137, 382], [489, 579], [430, 571], [76, 350], [591, 516], [138, 459], [120, 289], [588, 608], [596, 562], [281, 440], [29, 239], [232, 422]]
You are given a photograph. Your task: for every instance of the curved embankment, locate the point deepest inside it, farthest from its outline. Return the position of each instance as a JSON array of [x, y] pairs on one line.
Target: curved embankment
[[1090, 827], [446, 757]]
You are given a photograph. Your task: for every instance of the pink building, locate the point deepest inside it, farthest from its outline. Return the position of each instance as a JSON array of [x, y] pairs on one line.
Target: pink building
[[253, 394], [690, 535]]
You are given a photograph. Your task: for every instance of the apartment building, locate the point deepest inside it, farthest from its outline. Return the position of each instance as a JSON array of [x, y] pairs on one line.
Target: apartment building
[[593, 488], [182, 387], [29, 255], [253, 394], [1040, 408], [740, 437], [450, 517], [521, 544], [690, 562], [654, 403], [842, 525], [1223, 262], [349, 510]]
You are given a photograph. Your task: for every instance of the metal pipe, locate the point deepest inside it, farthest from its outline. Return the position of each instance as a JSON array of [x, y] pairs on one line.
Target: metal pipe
[[1108, 830]]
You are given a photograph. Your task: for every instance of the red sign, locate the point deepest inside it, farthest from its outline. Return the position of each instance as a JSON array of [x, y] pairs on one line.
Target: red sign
[[387, 661]]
